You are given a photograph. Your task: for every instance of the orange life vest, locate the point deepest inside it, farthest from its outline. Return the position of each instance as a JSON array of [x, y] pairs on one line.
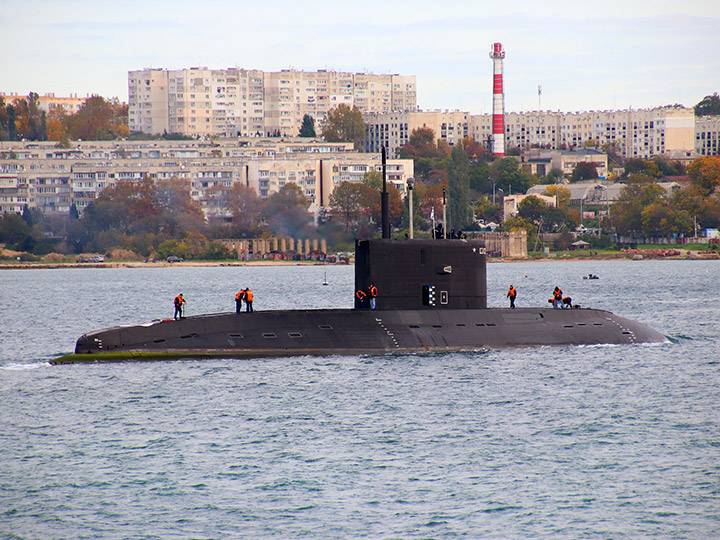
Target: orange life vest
[[512, 292], [238, 296], [248, 295], [179, 300], [373, 291], [361, 294]]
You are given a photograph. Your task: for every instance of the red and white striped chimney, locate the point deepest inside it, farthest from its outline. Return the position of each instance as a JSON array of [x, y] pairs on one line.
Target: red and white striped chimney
[[498, 140]]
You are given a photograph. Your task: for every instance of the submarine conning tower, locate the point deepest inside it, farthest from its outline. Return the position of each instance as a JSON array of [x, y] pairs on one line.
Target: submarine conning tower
[[422, 273]]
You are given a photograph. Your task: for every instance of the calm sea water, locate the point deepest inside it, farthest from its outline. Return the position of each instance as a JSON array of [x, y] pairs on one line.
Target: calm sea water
[[576, 442]]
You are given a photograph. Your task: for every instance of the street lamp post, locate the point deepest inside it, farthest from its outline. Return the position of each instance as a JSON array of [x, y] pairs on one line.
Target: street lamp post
[[444, 215], [410, 185]]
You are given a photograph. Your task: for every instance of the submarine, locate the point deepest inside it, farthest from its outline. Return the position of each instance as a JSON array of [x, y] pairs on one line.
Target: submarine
[[432, 298]]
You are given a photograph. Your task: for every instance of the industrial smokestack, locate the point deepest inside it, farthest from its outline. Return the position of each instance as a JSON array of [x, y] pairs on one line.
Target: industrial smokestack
[[498, 54]]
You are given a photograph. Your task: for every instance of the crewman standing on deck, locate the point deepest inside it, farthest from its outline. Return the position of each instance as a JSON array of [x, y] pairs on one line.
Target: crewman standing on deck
[[372, 293], [179, 302], [512, 294], [361, 296], [248, 300], [239, 297]]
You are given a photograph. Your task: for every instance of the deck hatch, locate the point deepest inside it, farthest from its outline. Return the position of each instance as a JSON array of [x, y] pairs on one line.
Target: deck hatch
[[294, 334], [269, 335], [235, 336], [325, 327]]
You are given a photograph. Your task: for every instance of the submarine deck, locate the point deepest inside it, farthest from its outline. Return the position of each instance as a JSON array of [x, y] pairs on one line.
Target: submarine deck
[[323, 332]]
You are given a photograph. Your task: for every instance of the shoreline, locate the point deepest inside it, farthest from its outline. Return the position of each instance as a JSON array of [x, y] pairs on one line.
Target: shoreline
[[685, 255]]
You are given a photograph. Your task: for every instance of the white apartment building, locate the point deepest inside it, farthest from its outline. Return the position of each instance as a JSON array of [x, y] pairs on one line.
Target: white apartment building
[[49, 102], [238, 102], [637, 133], [52, 179], [393, 130], [641, 133], [707, 135]]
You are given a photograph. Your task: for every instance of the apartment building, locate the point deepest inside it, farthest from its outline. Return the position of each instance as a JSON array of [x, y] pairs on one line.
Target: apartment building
[[43, 176], [237, 102], [636, 133], [49, 102], [707, 135], [393, 130]]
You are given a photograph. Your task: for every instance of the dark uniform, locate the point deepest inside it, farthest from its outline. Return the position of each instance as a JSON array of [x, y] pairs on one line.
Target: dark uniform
[[512, 294], [178, 302], [248, 300], [372, 293]]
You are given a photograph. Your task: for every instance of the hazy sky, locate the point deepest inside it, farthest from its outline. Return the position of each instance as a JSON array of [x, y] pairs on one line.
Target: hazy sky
[[608, 54]]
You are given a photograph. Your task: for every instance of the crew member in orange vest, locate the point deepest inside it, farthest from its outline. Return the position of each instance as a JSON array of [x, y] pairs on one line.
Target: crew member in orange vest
[[512, 294], [238, 300], [372, 293], [361, 296], [179, 302], [248, 300], [557, 298]]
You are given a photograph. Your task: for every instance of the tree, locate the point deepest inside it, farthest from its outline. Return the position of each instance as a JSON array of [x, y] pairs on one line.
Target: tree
[[346, 200], [286, 212], [642, 166], [458, 188], [584, 171], [307, 129], [3, 120], [562, 194], [668, 168], [344, 124], [15, 232], [99, 119], [178, 211], [244, 205], [373, 179], [509, 174], [639, 192], [518, 223], [709, 105], [422, 144], [12, 128], [29, 119], [705, 173], [532, 209]]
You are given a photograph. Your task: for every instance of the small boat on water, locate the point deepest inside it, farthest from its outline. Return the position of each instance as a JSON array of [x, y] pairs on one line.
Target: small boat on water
[[591, 276]]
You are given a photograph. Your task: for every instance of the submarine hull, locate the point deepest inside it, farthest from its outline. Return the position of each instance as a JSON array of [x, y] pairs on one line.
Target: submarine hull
[[347, 331]]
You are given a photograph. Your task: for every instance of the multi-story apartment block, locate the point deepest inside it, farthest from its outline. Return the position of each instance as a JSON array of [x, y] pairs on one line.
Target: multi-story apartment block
[[43, 176], [49, 102], [239, 102], [707, 135], [636, 133], [393, 130]]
